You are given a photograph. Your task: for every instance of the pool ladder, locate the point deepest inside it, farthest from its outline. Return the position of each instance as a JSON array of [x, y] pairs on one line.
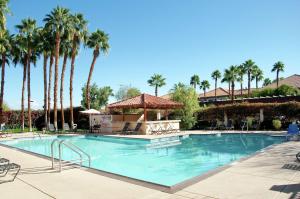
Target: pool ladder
[[70, 146]]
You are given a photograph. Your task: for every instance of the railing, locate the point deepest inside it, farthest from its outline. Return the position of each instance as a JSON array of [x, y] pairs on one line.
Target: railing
[[72, 147]]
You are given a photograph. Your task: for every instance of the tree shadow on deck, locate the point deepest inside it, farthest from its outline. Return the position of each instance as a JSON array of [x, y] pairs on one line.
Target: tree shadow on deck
[[293, 189]]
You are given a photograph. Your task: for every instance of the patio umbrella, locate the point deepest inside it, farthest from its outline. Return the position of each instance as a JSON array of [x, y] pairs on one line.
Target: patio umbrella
[[90, 112]]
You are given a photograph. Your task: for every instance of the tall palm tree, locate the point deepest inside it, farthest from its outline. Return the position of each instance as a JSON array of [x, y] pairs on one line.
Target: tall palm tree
[[56, 21], [232, 77], [278, 67], [216, 75], [98, 40], [257, 75], [241, 71], [157, 81], [204, 85], [195, 80], [249, 66], [28, 30], [5, 47], [19, 56], [4, 10], [79, 31], [226, 79], [267, 81], [65, 49]]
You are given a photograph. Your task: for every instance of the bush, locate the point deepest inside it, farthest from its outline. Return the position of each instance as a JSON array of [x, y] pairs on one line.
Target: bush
[[188, 96], [277, 124], [281, 90]]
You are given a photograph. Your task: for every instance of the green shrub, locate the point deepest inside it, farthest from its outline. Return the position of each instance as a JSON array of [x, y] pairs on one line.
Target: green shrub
[[186, 95], [277, 124], [281, 90]]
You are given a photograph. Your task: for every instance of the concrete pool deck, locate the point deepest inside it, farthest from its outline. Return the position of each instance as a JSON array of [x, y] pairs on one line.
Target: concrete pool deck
[[273, 173]]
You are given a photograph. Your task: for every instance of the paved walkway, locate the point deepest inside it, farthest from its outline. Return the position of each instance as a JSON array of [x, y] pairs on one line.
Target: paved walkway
[[271, 174]]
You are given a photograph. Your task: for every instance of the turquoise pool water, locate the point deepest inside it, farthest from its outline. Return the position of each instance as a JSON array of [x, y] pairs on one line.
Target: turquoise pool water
[[167, 166]]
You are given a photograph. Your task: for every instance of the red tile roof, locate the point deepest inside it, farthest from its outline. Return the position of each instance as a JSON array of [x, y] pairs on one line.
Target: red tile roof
[[146, 101], [220, 93], [293, 80]]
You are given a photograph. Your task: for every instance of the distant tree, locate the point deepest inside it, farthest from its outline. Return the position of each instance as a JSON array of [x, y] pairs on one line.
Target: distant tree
[[99, 96], [267, 81], [188, 96], [232, 77], [278, 67], [258, 75], [195, 80], [204, 85], [126, 92], [157, 81], [249, 66], [216, 75], [241, 71], [226, 79]]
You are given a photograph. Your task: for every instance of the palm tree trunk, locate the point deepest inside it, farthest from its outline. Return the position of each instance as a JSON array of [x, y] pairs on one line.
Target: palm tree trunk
[[204, 90], [216, 80], [29, 91], [49, 90], [62, 89], [195, 86], [57, 45], [229, 90], [23, 97], [277, 78], [156, 90], [249, 83], [232, 91], [45, 87], [74, 46], [88, 83], [241, 89], [256, 82], [2, 86]]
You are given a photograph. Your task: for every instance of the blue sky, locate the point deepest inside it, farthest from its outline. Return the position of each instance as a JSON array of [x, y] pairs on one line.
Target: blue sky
[[174, 38]]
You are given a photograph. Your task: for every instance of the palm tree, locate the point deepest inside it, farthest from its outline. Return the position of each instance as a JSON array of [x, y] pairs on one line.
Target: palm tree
[[99, 42], [226, 79], [27, 29], [56, 22], [4, 10], [249, 65], [232, 77], [79, 30], [216, 75], [267, 81], [278, 67], [257, 75], [65, 52], [5, 47], [195, 80], [204, 85], [241, 72], [19, 56], [157, 81]]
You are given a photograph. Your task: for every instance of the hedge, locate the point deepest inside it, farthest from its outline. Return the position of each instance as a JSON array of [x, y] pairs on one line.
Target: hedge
[[12, 119]]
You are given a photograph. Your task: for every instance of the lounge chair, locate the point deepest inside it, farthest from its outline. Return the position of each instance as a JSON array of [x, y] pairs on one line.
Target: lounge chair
[[6, 167], [3, 133], [213, 125], [136, 129], [51, 128], [292, 131], [96, 128], [229, 125], [125, 128], [66, 127]]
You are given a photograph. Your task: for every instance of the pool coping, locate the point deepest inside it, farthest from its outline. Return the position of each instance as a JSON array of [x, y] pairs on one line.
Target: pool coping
[[164, 188]]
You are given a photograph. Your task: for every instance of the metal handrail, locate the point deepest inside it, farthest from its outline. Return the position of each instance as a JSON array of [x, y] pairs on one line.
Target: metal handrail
[[52, 151], [72, 147]]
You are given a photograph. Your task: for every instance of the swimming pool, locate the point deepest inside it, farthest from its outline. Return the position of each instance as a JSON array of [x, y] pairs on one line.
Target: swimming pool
[[146, 160]]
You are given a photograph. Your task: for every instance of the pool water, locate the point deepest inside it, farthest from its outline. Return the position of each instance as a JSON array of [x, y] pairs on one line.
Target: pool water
[[166, 166]]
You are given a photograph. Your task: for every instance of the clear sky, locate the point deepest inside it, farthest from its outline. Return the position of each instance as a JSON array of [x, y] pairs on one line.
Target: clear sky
[[174, 38]]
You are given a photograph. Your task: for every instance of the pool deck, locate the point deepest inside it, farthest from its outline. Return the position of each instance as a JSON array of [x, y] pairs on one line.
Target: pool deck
[[273, 173]]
